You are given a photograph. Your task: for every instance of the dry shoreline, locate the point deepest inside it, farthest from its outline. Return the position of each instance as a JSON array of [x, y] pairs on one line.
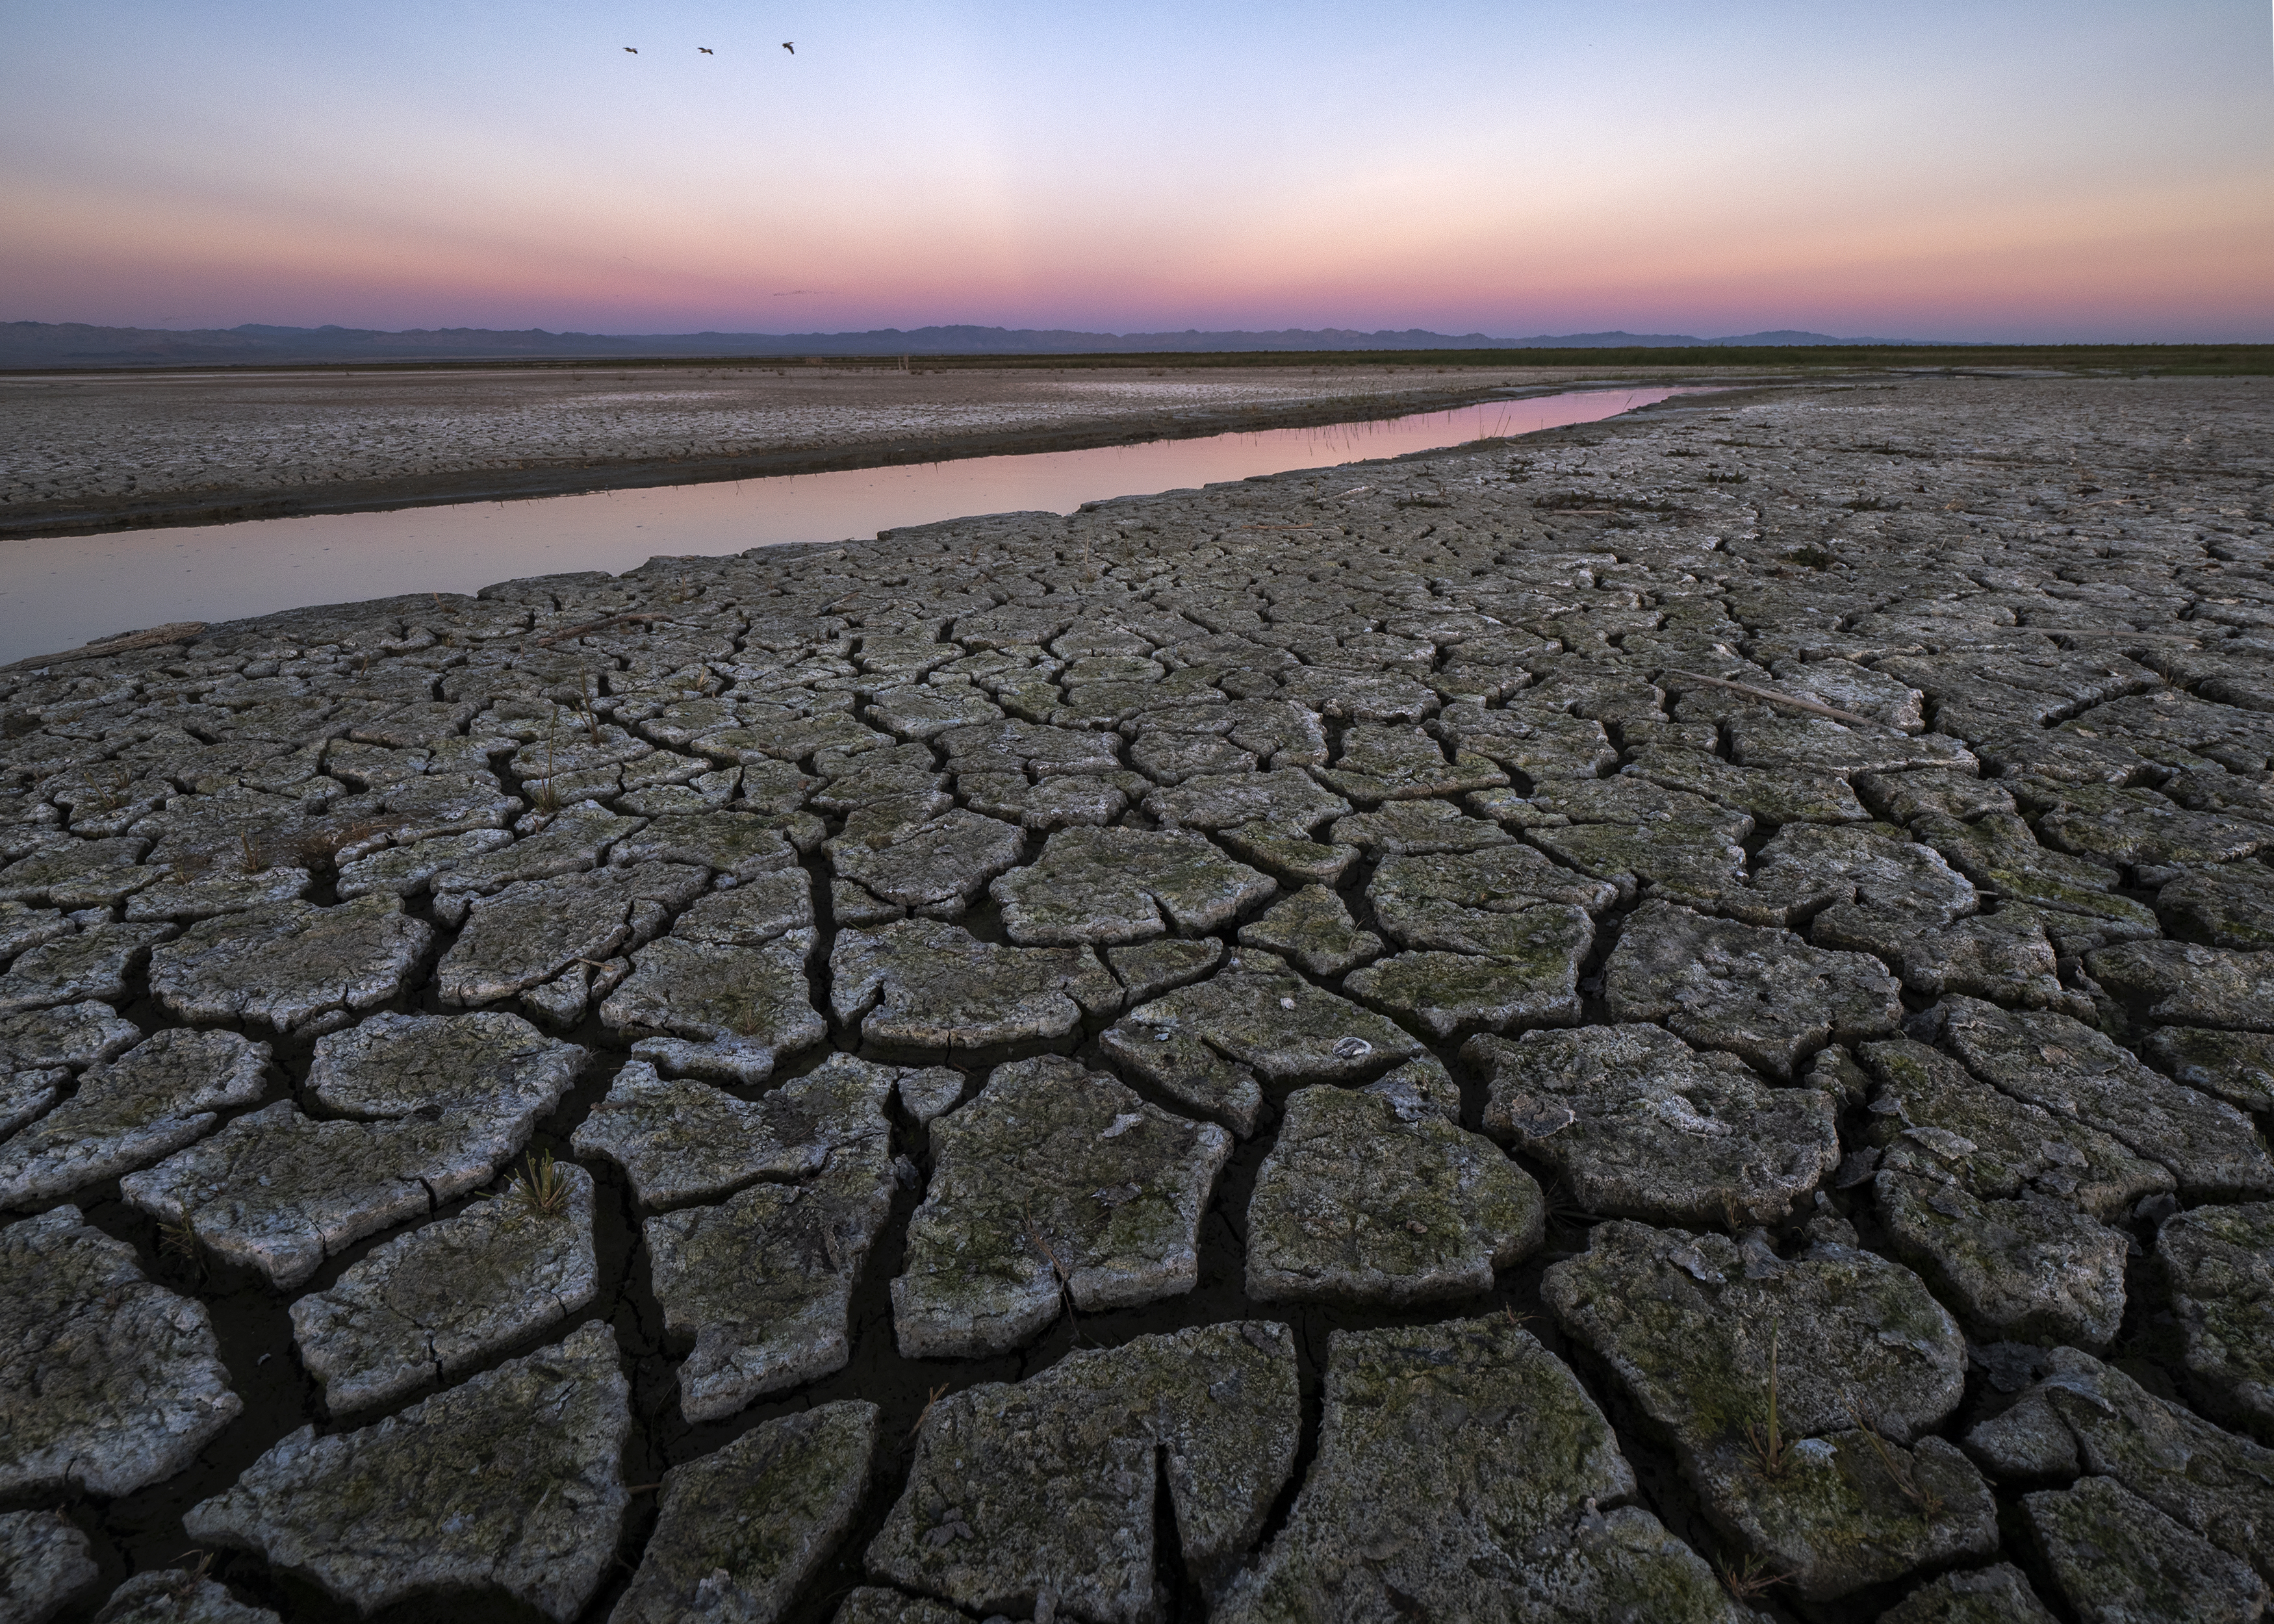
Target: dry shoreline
[[486, 485], [88, 454]]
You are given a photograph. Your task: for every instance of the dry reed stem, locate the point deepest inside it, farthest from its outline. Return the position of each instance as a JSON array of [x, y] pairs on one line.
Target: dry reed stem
[[1903, 1473], [1767, 697], [1770, 1452]]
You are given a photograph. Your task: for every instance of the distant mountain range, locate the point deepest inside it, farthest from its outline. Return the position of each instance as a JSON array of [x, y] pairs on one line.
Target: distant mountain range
[[74, 345]]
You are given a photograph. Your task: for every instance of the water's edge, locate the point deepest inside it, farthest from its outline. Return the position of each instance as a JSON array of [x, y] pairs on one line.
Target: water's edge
[[59, 592], [498, 484]]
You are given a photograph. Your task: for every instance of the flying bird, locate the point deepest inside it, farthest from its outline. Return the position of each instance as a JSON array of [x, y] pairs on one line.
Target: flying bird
[[634, 49], [706, 50], [790, 46]]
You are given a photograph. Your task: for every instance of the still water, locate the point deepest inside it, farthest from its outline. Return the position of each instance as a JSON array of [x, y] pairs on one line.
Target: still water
[[60, 591]]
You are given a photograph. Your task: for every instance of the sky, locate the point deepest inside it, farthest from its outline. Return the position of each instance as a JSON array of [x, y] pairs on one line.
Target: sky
[[2025, 170]]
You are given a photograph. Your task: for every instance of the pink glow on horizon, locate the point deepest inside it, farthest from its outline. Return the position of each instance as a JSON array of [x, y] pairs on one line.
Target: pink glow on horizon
[[2082, 171]]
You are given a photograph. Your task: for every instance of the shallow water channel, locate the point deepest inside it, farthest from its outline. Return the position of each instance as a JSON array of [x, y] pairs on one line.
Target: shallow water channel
[[61, 591]]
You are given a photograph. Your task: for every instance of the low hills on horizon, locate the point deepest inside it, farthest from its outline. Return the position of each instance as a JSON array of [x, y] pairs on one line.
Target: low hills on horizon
[[36, 344]]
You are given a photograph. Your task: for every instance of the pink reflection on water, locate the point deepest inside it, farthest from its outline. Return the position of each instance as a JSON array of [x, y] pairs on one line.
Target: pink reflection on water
[[58, 592]]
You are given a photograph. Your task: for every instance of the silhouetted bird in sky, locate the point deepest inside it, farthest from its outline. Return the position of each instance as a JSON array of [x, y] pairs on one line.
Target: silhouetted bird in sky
[[790, 46], [706, 50], [634, 49]]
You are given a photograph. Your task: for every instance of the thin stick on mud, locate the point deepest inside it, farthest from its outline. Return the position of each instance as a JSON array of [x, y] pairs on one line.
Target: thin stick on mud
[[1771, 1454], [176, 631], [596, 626], [1065, 1275], [1768, 697], [1901, 1471], [931, 1398]]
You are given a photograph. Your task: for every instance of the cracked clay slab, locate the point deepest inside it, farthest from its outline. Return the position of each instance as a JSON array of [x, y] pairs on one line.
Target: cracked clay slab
[[179, 1596], [532, 931], [1119, 885], [2074, 1071], [108, 1382], [1055, 1183], [280, 1192], [920, 986], [1998, 1203], [1638, 1125], [680, 1140], [935, 867], [165, 1093], [762, 1281], [1475, 1423], [2219, 1263], [1685, 1321], [718, 1011], [2081, 1415], [1207, 1046], [426, 1305], [1049, 1487], [511, 1481], [2114, 1557], [43, 1564], [287, 964], [1364, 1198], [1763, 995], [739, 1530]]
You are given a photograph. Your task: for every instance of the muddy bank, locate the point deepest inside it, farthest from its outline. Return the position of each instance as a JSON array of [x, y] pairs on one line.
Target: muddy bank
[[92, 455]]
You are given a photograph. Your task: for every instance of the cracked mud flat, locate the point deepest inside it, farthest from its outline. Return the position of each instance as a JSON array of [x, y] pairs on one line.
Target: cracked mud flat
[[1275, 1052]]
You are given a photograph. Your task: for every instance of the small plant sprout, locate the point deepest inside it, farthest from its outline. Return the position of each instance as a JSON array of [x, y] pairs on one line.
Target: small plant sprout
[[1902, 1470], [587, 693], [249, 853], [540, 1186], [545, 798], [1565, 1210], [186, 1580], [1749, 1579], [177, 1243], [1771, 1452]]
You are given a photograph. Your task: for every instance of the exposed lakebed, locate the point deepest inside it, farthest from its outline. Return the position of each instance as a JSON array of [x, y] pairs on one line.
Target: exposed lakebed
[[1654, 1021]]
